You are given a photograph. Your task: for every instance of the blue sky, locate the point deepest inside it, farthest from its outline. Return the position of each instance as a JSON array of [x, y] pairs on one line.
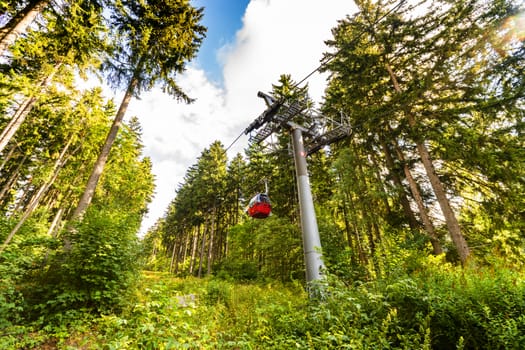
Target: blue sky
[[222, 18], [249, 44]]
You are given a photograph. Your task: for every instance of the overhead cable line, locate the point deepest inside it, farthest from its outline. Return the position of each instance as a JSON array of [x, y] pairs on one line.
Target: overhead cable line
[[236, 139], [274, 107], [329, 58]]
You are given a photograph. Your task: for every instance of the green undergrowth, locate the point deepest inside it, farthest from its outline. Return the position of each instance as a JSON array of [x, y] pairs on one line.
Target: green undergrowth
[[443, 307]]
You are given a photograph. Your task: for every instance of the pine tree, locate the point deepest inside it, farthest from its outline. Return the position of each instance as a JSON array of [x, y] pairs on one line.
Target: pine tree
[[154, 39], [69, 41]]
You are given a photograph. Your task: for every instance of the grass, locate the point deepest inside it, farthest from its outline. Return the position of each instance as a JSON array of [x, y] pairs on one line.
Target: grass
[[454, 308], [177, 313]]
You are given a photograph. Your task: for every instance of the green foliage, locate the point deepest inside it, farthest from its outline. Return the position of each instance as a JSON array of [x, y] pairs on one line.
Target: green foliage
[[237, 270], [461, 83], [11, 300], [484, 306], [264, 249], [477, 309], [438, 306], [408, 80], [23, 256], [218, 291], [172, 27], [193, 313], [97, 275]]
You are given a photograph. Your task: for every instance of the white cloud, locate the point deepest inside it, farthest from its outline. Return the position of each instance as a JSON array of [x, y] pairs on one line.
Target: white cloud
[[280, 37], [277, 37]]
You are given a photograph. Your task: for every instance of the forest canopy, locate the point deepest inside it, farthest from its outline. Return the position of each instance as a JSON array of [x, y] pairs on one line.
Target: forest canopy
[[419, 205]]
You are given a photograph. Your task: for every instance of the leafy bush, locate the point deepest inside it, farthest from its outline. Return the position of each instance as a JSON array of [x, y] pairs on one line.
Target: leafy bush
[[11, 300], [443, 308], [22, 256], [437, 307], [237, 270], [218, 292], [97, 275]]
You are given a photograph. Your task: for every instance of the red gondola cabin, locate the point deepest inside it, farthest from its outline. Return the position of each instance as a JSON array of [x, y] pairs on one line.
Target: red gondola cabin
[[259, 206]]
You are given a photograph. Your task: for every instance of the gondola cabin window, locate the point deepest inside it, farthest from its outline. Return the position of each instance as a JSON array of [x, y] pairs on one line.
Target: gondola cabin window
[[259, 206]]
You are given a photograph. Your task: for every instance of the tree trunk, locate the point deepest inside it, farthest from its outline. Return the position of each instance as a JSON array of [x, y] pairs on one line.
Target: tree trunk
[[405, 204], [33, 203], [54, 224], [91, 185], [194, 248], [450, 218], [363, 258], [53, 232], [19, 23], [13, 178], [184, 252], [15, 122], [444, 203], [22, 112], [180, 253], [210, 245], [423, 211], [172, 256], [380, 181], [50, 199], [26, 192], [203, 246], [219, 241], [8, 156], [369, 219], [348, 231], [226, 243]]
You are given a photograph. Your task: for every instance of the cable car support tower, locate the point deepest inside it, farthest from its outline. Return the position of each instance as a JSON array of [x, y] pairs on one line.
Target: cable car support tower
[[310, 132]]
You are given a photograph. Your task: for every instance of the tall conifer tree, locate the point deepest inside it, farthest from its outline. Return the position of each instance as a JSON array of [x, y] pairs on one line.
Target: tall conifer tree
[[154, 40]]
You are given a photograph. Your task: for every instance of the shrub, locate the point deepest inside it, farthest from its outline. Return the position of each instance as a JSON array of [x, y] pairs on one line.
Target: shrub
[[443, 308], [96, 275]]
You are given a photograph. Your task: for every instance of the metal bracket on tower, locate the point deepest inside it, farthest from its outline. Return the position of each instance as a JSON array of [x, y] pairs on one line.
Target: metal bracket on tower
[[318, 130], [264, 118], [331, 136], [278, 114]]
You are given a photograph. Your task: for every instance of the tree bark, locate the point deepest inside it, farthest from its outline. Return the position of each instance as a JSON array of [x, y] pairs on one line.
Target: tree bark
[[194, 248], [437, 186], [172, 256], [210, 245], [423, 211], [53, 232], [33, 203], [91, 186], [184, 252], [380, 181], [348, 230], [22, 112], [203, 246], [365, 208], [180, 252], [444, 203], [15, 122], [8, 156], [13, 178], [359, 245], [19, 23], [405, 204], [54, 224]]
